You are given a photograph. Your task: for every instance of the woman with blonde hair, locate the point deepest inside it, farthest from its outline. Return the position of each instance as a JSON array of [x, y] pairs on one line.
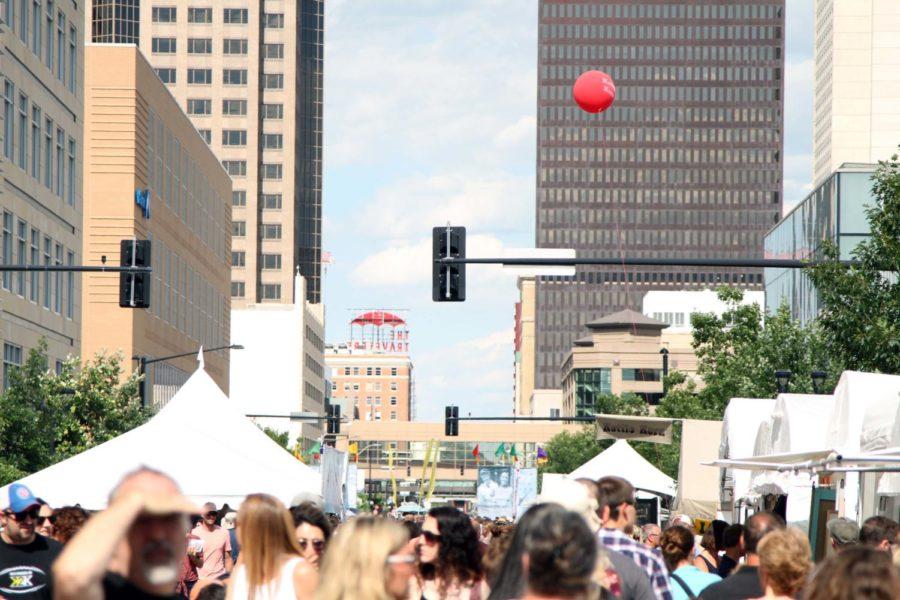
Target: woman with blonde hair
[[367, 560], [270, 566], [784, 563]]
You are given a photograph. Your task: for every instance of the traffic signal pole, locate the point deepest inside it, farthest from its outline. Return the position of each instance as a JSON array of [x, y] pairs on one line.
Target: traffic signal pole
[[775, 263]]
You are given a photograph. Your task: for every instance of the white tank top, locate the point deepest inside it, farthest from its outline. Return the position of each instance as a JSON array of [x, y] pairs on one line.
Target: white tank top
[[280, 588]]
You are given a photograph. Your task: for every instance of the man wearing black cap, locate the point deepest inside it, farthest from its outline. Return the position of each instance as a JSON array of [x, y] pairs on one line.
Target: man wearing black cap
[[25, 556]]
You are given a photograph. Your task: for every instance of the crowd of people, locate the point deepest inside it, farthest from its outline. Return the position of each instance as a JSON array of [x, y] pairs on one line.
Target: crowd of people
[[580, 540]]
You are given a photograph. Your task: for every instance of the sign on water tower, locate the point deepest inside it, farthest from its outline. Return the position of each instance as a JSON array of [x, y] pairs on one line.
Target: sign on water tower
[[379, 331]]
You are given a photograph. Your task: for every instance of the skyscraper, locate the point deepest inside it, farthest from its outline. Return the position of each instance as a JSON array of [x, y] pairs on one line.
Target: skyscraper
[[249, 75], [686, 163], [856, 106]]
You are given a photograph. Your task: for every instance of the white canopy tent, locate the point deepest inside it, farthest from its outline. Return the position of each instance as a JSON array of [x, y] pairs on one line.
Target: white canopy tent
[[201, 439], [622, 460], [739, 429]]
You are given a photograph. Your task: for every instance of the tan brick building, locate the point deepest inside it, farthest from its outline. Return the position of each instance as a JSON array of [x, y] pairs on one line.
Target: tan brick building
[[41, 132], [370, 386], [139, 139]]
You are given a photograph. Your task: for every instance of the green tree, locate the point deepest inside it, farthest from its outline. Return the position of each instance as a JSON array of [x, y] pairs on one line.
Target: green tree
[[282, 438], [860, 303], [47, 417]]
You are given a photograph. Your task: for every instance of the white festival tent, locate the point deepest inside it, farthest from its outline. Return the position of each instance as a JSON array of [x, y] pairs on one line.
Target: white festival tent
[[622, 460], [201, 439], [740, 425]]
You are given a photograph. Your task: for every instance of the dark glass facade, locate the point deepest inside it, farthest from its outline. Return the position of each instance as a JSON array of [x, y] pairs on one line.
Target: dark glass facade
[[686, 163], [116, 21], [308, 145]]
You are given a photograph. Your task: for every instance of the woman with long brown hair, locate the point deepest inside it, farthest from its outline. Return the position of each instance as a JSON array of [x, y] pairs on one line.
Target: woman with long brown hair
[[270, 566]]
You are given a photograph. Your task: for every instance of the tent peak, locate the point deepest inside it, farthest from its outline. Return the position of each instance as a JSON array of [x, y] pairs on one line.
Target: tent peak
[[200, 364]]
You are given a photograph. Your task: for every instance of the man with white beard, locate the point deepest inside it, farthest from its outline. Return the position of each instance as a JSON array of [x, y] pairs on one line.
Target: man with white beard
[[144, 528]]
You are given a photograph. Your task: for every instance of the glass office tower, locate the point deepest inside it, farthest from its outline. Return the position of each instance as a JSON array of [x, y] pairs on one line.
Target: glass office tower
[[686, 163]]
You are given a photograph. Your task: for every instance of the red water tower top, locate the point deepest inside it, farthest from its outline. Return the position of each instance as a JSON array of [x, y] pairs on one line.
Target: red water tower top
[[378, 318]]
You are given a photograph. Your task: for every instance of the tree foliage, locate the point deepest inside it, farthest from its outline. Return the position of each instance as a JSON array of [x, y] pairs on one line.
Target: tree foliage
[[860, 304], [47, 417], [282, 438]]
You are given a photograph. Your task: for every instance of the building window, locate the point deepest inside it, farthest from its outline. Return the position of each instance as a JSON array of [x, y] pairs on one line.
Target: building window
[[238, 289], [9, 119], [206, 134], [199, 45], [70, 173], [7, 247], [58, 280], [239, 198], [273, 81], [61, 46], [270, 231], [271, 171], [270, 291], [21, 254], [166, 75], [393, 415], [393, 386], [272, 141], [73, 57], [36, 142], [47, 290], [60, 164], [238, 229], [234, 46], [589, 384], [12, 360], [273, 111], [270, 201], [22, 154], [48, 153], [393, 371], [393, 400], [273, 20], [554, 413], [641, 374], [200, 16], [70, 286], [270, 261], [234, 108], [48, 22], [35, 256], [163, 45], [23, 20], [238, 258], [163, 14], [234, 76], [235, 16], [234, 137], [199, 76], [199, 106], [36, 45], [273, 51], [235, 168]]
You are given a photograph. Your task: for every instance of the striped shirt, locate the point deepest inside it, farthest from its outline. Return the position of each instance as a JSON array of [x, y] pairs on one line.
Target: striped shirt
[[643, 556]]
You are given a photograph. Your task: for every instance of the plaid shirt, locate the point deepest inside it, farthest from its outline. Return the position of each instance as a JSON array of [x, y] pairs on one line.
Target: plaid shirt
[[643, 556]]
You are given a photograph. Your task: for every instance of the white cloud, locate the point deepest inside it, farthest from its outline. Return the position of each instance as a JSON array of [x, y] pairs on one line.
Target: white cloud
[[521, 131]]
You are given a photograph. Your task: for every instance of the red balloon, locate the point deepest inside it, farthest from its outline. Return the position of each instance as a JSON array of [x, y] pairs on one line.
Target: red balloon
[[594, 91]]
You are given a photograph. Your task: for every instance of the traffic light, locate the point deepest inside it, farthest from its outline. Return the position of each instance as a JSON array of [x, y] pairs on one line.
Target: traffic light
[[451, 421], [134, 288], [448, 282], [333, 420]]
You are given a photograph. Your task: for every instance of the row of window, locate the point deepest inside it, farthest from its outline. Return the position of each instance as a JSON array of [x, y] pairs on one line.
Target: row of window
[[697, 33], [230, 46], [185, 299], [48, 153], [669, 159], [233, 107], [662, 52], [204, 16], [267, 231], [265, 291], [270, 81], [43, 29], [268, 171], [648, 10], [178, 181], [313, 365], [376, 400], [634, 195], [314, 339], [26, 245], [368, 371], [370, 387], [266, 201], [267, 262]]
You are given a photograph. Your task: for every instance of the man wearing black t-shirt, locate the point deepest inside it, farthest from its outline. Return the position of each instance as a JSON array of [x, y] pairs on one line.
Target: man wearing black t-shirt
[[744, 582], [25, 556], [148, 513]]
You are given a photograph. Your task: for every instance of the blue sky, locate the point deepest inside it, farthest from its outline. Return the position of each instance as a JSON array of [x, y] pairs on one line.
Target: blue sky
[[429, 118]]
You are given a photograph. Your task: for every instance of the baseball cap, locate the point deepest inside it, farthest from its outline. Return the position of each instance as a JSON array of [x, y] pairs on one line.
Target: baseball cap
[[229, 519], [308, 498], [844, 531], [20, 498]]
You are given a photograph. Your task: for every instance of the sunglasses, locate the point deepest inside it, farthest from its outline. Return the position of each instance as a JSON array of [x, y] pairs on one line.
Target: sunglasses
[[42, 520], [317, 545], [430, 537], [211, 513], [25, 514]]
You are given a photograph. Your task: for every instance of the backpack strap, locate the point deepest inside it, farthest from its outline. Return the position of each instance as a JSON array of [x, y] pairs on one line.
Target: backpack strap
[[684, 586]]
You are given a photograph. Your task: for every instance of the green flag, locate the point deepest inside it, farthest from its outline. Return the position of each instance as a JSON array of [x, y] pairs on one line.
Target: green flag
[[315, 449], [501, 450], [513, 454]]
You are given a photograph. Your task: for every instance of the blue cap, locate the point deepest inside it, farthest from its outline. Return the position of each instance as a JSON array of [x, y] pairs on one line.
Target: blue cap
[[21, 498]]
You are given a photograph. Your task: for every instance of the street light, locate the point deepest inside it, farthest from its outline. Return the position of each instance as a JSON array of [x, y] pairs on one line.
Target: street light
[[665, 367], [818, 381], [782, 380], [143, 361]]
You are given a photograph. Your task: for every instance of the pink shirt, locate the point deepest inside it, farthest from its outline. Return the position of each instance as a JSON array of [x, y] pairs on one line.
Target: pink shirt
[[215, 544]]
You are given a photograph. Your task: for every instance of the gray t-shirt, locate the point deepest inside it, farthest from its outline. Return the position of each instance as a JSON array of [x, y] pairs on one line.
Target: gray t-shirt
[[633, 580]]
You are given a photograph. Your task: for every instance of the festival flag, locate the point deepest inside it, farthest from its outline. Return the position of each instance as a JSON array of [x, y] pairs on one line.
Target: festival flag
[[353, 449], [315, 450], [512, 453], [475, 453], [542, 456], [501, 451]]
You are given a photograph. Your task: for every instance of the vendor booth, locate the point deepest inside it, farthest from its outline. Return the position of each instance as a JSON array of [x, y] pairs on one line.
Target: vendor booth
[[739, 429], [200, 438]]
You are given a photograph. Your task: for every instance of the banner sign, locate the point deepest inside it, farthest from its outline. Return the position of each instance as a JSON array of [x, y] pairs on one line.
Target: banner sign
[[526, 489], [641, 429], [142, 199], [494, 495]]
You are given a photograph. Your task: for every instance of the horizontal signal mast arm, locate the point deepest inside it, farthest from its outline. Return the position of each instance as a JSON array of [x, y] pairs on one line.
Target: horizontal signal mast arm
[[75, 269], [776, 263]]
